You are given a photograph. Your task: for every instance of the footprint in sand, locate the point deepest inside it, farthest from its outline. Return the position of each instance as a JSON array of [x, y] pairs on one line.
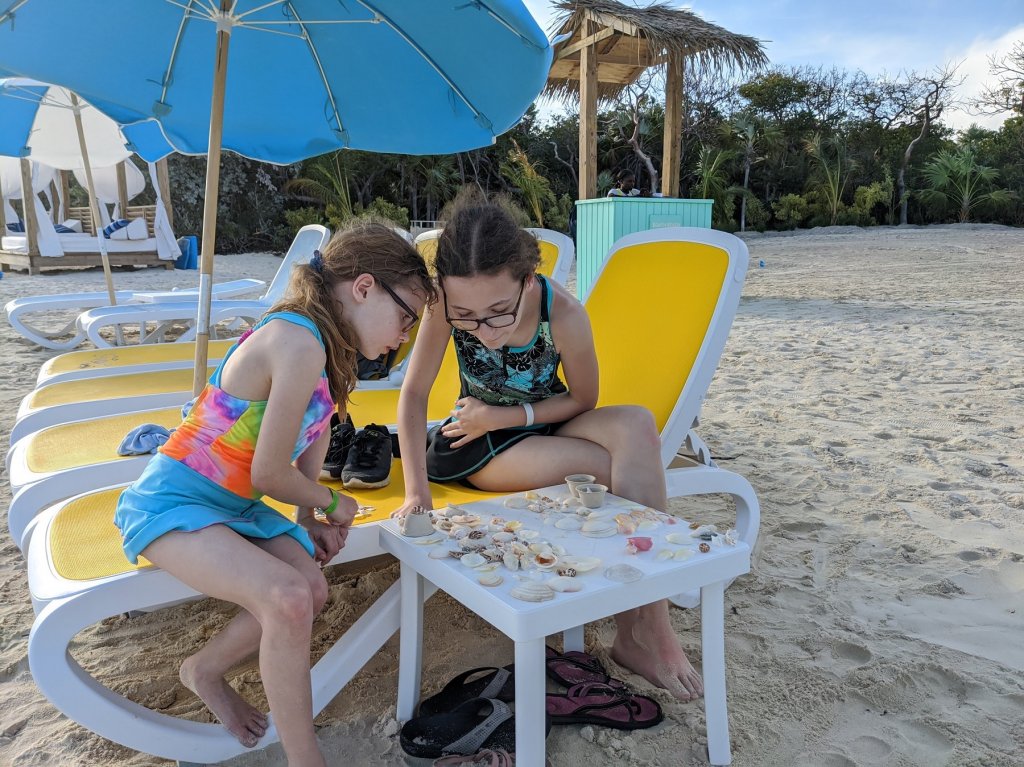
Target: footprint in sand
[[971, 556], [855, 654], [870, 748], [930, 743]]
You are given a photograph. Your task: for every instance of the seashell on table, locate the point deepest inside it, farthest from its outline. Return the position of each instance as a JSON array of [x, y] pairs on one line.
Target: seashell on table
[[623, 573], [532, 591], [564, 583]]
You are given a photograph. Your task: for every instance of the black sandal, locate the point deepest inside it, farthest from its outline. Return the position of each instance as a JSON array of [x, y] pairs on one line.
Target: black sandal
[[573, 668], [476, 724], [500, 684]]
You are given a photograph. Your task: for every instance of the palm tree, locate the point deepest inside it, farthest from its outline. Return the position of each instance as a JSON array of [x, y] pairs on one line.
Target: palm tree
[[828, 156], [527, 178], [753, 134], [439, 175], [326, 182], [956, 177]]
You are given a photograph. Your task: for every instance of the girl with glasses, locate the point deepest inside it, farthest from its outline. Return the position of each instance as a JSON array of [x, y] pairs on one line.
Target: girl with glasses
[[261, 426], [516, 424]]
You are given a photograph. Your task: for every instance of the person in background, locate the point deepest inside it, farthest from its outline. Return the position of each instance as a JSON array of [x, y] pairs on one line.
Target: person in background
[[625, 185]]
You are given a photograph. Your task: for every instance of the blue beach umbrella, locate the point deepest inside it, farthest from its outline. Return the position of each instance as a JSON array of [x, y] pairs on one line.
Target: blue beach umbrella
[[282, 80]]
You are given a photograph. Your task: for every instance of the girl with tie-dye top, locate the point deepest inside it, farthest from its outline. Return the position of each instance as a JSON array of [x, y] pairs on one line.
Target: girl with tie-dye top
[[515, 424], [261, 427]]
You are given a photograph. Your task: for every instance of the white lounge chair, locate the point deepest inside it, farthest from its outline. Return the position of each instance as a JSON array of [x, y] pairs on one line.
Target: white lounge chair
[[164, 313], [78, 574]]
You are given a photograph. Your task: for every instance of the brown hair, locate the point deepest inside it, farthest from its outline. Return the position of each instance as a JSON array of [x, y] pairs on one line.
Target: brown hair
[[362, 247], [483, 238]]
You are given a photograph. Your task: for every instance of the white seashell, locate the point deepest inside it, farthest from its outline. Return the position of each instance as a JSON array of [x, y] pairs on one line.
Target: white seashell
[[592, 525], [646, 525], [458, 533], [569, 523], [562, 583], [532, 591], [683, 554], [512, 525], [581, 564], [679, 538], [515, 502], [443, 524], [731, 537], [623, 574], [546, 560], [703, 530], [665, 554], [489, 567], [559, 550], [503, 537], [438, 554], [532, 495], [473, 560], [572, 502], [603, 532], [490, 579], [540, 547], [469, 520], [528, 535], [511, 561]]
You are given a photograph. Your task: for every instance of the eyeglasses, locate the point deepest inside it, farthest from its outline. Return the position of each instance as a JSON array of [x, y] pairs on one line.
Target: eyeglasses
[[494, 321], [413, 317]]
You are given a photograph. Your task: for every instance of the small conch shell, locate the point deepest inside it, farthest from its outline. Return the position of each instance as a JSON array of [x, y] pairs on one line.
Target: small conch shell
[[473, 560], [625, 523], [532, 591], [563, 583], [516, 502], [639, 543], [490, 579]]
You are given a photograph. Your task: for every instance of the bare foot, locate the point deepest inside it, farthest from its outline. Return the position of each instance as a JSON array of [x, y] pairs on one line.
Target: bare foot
[[666, 667], [245, 722]]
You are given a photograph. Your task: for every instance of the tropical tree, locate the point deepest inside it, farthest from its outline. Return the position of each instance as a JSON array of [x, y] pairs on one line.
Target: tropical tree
[[831, 171], [525, 176], [713, 182], [956, 177], [753, 135], [325, 180]]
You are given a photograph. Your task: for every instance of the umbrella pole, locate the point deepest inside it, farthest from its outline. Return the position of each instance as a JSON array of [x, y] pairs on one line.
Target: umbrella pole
[[220, 78], [93, 202]]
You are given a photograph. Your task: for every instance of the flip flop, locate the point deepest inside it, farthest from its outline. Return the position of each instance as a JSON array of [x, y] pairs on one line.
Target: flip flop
[[476, 724], [500, 683], [486, 757], [604, 706], [573, 668]]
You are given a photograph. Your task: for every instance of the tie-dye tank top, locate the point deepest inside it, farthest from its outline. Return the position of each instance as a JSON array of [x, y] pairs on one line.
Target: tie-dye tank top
[[511, 375], [218, 437]]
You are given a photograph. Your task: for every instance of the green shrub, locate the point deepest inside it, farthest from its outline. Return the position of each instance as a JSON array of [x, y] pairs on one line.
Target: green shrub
[[790, 210], [757, 214], [381, 208], [300, 217]]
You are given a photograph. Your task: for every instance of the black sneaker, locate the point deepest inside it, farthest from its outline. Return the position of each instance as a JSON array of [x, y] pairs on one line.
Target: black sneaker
[[369, 459], [342, 435]]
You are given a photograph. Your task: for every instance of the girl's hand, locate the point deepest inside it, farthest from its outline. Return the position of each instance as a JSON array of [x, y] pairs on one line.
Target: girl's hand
[[425, 503], [345, 512], [328, 539], [472, 419]]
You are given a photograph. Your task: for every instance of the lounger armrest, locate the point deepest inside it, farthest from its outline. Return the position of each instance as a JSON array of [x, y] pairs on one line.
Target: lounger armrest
[[709, 480]]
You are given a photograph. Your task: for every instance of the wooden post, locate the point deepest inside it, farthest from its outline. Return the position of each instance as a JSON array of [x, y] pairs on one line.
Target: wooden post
[[55, 203], [122, 190], [3, 218], [94, 206], [220, 79], [28, 209], [673, 126], [588, 118], [164, 181], [65, 194]]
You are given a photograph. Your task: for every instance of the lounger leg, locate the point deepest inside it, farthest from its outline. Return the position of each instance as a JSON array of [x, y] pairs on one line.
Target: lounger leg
[[410, 643], [530, 703], [712, 626], [572, 639]]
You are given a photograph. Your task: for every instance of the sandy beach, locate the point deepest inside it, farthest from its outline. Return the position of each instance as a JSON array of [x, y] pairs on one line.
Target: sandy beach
[[872, 391]]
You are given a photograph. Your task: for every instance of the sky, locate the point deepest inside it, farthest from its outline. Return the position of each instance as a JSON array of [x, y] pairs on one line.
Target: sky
[[870, 35]]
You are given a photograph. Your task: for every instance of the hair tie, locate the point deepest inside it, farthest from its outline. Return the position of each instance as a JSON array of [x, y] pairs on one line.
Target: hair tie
[[317, 262]]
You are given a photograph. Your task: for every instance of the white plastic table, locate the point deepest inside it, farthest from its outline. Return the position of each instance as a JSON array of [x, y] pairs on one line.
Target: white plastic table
[[528, 624]]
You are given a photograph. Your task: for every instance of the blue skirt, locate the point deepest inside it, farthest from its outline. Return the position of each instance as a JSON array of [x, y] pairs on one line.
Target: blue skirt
[[169, 496]]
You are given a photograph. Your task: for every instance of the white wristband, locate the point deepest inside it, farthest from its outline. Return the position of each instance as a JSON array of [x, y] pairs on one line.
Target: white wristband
[[529, 413]]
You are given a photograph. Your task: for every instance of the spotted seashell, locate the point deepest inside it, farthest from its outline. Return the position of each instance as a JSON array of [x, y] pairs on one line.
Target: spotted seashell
[[563, 583], [490, 579], [694, 525], [532, 591], [473, 560], [704, 548], [567, 572]]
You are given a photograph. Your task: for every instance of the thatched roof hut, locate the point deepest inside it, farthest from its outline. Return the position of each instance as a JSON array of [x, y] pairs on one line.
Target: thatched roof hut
[[634, 39], [609, 45]]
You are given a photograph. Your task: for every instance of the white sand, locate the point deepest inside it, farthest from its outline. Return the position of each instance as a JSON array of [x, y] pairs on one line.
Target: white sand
[[873, 393]]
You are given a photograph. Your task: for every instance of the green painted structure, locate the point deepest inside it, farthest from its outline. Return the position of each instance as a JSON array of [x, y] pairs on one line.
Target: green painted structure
[[602, 221]]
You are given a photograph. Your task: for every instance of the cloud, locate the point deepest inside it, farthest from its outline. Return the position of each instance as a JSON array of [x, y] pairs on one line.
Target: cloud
[[975, 68]]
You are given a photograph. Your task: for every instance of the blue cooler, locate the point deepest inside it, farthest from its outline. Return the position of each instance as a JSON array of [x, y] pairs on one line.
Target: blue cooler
[[189, 258]]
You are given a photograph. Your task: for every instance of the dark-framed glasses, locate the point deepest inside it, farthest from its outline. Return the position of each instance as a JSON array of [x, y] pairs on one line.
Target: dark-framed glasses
[[413, 317], [495, 321]]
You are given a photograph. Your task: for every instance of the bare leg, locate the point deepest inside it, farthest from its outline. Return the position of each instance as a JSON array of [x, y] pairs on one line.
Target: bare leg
[[218, 562], [620, 446], [204, 672]]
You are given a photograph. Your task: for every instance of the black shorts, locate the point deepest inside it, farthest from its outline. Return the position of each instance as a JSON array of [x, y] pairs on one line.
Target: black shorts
[[447, 464]]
